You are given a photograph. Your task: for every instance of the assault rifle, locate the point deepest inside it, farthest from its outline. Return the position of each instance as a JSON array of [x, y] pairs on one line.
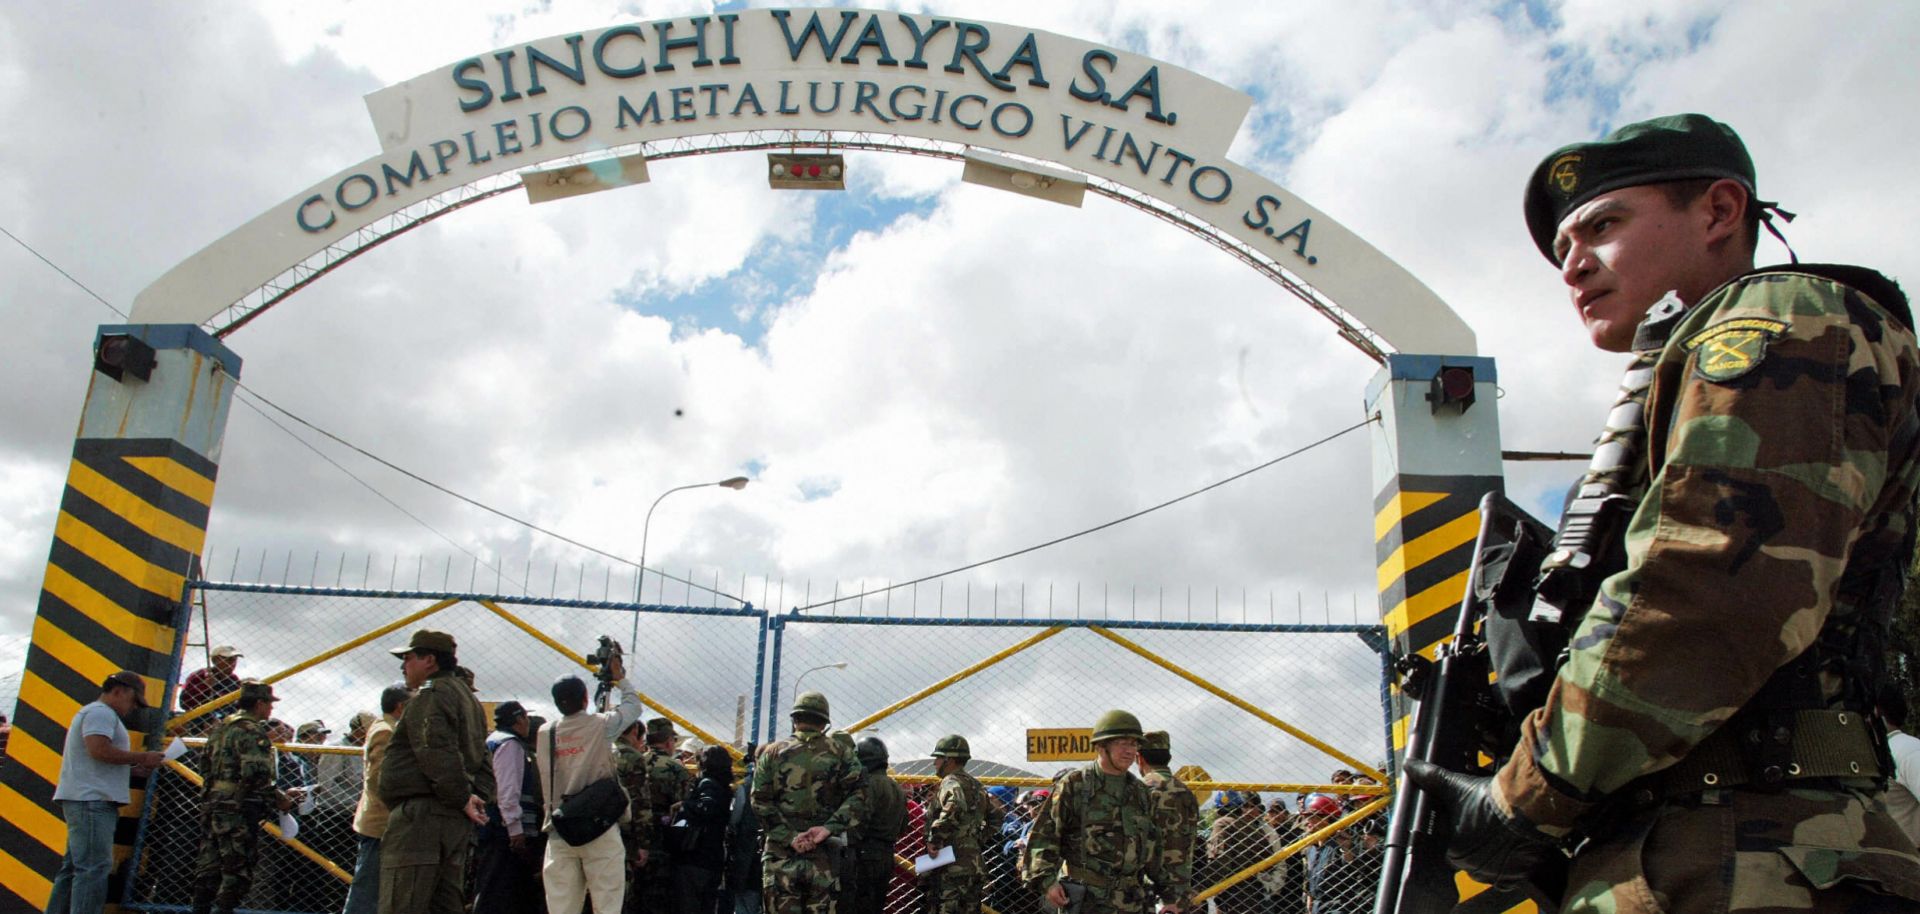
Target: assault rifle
[[1457, 718], [1525, 595]]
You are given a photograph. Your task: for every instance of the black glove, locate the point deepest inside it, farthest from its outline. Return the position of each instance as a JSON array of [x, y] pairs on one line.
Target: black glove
[[1492, 846]]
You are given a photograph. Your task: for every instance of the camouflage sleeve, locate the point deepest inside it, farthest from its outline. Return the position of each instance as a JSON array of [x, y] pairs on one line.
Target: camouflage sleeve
[[638, 829], [1154, 852], [852, 810], [1176, 814], [1050, 824], [766, 795], [1778, 409], [433, 733], [949, 806], [256, 774]]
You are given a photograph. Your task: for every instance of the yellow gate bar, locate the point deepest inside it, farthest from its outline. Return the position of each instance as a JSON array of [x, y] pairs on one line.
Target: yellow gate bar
[[921, 695], [1291, 849], [298, 845], [569, 653], [231, 697], [1242, 704], [1196, 786]]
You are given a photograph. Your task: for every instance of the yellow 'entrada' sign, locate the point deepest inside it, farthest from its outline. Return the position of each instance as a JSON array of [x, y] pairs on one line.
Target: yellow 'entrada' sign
[[1073, 744]]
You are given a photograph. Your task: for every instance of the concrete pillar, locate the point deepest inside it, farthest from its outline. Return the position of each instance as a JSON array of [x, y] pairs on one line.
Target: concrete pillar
[[1432, 461], [132, 522]]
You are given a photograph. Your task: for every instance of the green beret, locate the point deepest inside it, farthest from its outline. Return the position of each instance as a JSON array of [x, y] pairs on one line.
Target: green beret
[[1678, 147]]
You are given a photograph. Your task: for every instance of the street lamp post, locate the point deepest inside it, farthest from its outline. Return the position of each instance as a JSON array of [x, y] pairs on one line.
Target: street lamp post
[[836, 665], [735, 483]]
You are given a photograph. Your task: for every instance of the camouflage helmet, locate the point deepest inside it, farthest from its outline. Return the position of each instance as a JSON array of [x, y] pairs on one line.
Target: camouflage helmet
[[953, 745], [811, 704], [1114, 725], [1156, 739], [872, 753]]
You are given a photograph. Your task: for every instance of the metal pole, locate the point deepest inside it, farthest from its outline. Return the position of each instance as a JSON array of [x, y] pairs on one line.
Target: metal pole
[[759, 677], [773, 676], [639, 579]]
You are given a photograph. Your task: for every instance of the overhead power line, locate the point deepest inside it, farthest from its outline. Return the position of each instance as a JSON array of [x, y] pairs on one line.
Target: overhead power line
[[1097, 528], [256, 395]]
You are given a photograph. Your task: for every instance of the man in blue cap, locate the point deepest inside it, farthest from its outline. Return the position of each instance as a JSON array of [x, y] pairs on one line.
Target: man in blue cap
[[1708, 744]]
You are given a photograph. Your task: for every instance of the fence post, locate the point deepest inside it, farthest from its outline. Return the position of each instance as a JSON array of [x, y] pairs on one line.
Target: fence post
[[759, 679], [779, 627]]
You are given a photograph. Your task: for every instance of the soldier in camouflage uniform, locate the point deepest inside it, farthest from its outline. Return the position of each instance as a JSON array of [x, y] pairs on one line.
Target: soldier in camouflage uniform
[[1707, 734], [864, 881], [808, 792], [668, 781], [237, 792], [1176, 813], [962, 818], [637, 833], [1096, 832]]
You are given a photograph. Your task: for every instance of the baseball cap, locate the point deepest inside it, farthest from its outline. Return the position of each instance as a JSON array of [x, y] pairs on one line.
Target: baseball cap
[[129, 679], [506, 712], [227, 650]]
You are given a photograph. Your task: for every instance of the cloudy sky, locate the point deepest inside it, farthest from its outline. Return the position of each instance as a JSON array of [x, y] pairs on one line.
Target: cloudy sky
[[916, 374]]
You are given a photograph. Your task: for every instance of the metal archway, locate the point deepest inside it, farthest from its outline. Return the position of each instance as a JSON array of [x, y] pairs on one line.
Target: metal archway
[[334, 255]]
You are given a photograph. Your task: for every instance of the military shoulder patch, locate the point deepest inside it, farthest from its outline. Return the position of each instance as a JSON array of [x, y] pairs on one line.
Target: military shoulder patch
[[1728, 350]]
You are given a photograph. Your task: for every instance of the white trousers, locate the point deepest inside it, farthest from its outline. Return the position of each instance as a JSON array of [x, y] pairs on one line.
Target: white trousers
[[597, 867]]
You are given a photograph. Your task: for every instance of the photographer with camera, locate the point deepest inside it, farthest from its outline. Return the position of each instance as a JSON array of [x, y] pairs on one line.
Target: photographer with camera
[[583, 798]]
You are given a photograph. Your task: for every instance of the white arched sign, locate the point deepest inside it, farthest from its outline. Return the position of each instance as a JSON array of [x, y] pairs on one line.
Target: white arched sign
[[1123, 120]]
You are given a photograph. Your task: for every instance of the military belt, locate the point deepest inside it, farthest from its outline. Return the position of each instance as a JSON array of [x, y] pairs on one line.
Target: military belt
[[1767, 750], [1088, 877]]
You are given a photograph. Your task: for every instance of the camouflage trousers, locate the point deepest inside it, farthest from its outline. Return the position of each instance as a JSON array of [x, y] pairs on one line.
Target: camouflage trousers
[[229, 845], [798, 885], [953, 891], [1748, 852]]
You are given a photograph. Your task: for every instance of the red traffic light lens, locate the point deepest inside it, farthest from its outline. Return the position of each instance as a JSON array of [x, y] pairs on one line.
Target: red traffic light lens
[[796, 170], [813, 171], [1456, 383]]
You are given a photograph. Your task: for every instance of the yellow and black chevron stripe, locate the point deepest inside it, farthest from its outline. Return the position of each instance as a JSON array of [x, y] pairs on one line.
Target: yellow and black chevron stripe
[[1423, 545], [1424, 527], [132, 520]]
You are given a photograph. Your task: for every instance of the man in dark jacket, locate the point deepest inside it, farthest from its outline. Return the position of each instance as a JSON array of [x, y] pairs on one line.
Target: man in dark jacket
[[436, 780], [507, 869]]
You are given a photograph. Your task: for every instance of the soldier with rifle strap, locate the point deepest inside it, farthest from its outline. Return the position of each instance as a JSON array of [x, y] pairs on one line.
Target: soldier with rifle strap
[[1706, 743]]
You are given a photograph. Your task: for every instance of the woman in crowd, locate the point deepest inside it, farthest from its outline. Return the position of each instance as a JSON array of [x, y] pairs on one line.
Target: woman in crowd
[[701, 858]]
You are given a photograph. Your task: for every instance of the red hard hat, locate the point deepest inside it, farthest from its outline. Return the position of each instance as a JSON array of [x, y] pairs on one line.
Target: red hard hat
[[1321, 805]]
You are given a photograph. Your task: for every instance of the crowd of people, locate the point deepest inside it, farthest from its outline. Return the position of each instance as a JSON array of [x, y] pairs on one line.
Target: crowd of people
[[436, 806]]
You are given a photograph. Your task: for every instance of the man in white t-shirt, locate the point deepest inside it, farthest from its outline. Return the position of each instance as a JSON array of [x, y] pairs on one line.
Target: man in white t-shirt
[[94, 768], [1903, 788], [576, 751]]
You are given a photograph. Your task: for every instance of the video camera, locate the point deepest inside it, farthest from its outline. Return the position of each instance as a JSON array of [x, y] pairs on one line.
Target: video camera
[[604, 653]]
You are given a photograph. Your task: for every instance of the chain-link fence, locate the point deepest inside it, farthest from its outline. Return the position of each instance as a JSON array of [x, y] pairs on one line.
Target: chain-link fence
[[1278, 728], [327, 653], [1263, 720]]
